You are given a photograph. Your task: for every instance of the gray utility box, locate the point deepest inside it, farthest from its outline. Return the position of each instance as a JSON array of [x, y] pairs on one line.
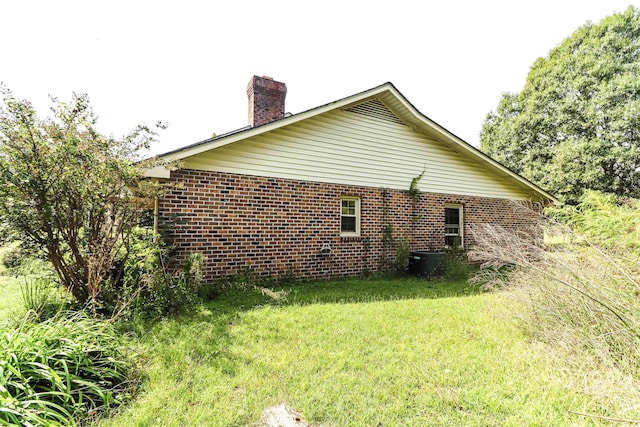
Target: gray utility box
[[427, 263]]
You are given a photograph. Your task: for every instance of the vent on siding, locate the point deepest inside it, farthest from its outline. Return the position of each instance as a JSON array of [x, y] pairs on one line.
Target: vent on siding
[[376, 109]]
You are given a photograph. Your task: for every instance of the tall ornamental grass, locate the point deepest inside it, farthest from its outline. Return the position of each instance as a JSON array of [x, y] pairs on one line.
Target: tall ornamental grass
[[60, 371], [581, 293]]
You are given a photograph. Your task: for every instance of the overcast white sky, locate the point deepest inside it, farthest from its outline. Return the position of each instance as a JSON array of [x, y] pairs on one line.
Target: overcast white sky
[[188, 62]]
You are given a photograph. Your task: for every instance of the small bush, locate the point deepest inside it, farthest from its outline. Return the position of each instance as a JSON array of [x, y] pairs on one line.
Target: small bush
[[175, 293], [64, 369], [457, 265], [12, 258], [403, 252], [144, 287]]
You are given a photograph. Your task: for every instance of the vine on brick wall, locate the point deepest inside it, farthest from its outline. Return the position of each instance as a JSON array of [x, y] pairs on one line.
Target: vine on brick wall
[[413, 187], [395, 251], [414, 193], [388, 240], [403, 251]]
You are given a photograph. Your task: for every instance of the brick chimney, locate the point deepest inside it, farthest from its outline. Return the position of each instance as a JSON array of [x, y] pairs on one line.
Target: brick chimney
[[266, 100]]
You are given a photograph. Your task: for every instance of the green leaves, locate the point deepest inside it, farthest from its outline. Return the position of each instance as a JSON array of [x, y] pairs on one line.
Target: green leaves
[[70, 190], [61, 370], [576, 123]]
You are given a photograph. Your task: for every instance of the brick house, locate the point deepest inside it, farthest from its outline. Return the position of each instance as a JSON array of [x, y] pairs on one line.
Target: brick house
[[326, 192]]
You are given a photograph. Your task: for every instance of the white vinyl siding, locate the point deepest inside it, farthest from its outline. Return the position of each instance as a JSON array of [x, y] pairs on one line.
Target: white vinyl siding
[[345, 147]]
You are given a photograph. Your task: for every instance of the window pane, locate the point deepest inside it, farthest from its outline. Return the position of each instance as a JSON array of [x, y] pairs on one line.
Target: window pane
[[452, 241], [451, 216], [348, 207], [348, 224], [453, 226], [452, 230]]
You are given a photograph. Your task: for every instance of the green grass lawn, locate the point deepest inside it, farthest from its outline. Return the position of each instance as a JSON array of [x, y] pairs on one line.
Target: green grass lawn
[[10, 295], [355, 353]]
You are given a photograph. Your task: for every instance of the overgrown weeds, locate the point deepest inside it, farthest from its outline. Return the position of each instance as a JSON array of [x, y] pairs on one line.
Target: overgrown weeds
[[457, 265], [147, 283], [150, 291], [62, 368], [143, 283]]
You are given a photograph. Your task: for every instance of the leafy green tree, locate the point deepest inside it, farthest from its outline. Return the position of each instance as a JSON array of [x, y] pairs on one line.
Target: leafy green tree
[[576, 123], [71, 191]]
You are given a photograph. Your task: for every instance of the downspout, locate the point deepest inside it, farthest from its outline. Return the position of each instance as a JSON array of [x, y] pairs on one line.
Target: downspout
[[155, 217]]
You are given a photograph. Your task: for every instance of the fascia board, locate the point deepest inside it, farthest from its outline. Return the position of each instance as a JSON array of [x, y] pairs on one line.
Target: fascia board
[[158, 172]]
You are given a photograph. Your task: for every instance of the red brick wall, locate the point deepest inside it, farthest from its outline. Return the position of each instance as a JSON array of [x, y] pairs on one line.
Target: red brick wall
[[277, 226]]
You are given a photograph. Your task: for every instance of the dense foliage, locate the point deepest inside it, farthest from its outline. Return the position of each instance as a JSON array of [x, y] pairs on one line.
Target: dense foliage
[[575, 124], [611, 223], [59, 371], [147, 289], [72, 192]]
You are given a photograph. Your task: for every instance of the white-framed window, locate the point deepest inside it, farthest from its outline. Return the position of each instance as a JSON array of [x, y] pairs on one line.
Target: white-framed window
[[349, 216], [453, 225]]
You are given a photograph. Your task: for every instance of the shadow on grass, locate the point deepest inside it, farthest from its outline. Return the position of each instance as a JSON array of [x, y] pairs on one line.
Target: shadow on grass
[[222, 311], [343, 291], [231, 302], [370, 290], [203, 340]]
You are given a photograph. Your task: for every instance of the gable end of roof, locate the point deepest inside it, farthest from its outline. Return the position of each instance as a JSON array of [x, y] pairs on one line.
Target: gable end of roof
[[383, 102]]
